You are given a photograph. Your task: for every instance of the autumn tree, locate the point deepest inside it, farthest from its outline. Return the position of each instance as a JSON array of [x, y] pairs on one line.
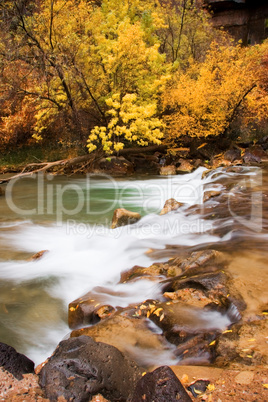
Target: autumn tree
[[75, 56], [204, 100]]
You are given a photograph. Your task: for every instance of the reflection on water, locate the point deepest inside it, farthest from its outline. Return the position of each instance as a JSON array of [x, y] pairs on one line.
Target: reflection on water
[[70, 217]]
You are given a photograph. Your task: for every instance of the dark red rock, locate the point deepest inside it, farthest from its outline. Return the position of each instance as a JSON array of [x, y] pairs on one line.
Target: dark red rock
[[161, 385], [81, 368], [14, 362]]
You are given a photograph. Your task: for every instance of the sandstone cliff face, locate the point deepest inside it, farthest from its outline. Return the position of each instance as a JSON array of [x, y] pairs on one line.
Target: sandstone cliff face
[[245, 20]]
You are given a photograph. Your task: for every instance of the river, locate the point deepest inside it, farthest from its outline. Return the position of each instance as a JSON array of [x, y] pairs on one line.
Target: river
[[71, 216]]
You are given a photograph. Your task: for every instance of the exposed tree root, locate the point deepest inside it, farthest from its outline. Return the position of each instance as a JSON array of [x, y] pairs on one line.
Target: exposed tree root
[[78, 164], [34, 168]]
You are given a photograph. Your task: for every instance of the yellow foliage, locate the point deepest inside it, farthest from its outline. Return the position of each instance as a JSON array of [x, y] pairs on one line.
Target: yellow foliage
[[130, 122], [204, 100]]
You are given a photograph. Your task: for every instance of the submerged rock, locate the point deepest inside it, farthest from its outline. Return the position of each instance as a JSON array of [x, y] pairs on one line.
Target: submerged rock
[[199, 260], [210, 194], [161, 385], [14, 362], [171, 205], [123, 217], [81, 368], [38, 255]]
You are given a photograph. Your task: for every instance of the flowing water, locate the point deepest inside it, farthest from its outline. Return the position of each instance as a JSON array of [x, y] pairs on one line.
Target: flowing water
[[71, 217]]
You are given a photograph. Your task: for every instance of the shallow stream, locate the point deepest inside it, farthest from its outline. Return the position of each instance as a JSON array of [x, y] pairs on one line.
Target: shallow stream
[[71, 217]]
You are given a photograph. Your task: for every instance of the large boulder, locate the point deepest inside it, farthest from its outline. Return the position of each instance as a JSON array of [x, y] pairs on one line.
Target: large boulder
[[161, 385], [14, 362], [123, 217], [81, 368], [128, 331]]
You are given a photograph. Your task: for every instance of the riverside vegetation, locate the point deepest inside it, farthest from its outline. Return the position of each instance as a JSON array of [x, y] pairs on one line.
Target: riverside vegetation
[[106, 76]]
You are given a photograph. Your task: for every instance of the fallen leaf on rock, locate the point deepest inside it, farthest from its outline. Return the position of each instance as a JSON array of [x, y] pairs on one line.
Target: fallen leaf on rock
[[184, 379]]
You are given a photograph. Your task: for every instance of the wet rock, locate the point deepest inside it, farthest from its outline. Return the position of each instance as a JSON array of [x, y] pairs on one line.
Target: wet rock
[[180, 321], [128, 331], [123, 217], [192, 296], [154, 270], [81, 368], [184, 167], [198, 349], [211, 281], [232, 154], [86, 310], [168, 170], [201, 259], [210, 194], [171, 205], [38, 255], [14, 362], [244, 343], [115, 166], [161, 385]]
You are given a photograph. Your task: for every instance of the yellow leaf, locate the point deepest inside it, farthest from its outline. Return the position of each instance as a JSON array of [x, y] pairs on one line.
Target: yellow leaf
[[265, 386], [158, 311], [212, 343], [211, 387]]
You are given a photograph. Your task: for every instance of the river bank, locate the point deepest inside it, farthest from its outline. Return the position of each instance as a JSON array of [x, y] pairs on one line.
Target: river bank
[[243, 348], [153, 160]]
